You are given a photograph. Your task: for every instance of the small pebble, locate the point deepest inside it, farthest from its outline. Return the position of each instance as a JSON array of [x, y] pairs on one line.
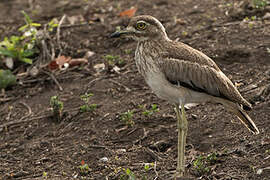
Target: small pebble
[[259, 171], [194, 116], [99, 67], [89, 54], [121, 151], [104, 159], [266, 16]]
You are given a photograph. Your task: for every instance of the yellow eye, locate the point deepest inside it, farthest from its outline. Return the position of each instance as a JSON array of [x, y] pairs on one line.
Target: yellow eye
[[140, 25]]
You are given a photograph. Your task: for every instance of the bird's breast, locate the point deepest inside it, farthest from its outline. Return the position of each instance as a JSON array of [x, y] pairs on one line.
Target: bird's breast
[[145, 59]]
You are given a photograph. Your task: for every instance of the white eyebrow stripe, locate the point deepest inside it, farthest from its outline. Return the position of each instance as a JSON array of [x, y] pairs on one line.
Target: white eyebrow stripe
[[141, 21]]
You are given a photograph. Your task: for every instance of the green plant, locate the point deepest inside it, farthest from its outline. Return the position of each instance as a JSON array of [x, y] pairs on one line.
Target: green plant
[[212, 158], [84, 168], [114, 60], [154, 108], [259, 4], [200, 166], [45, 175], [23, 47], [15, 48], [29, 23], [184, 33], [86, 107], [52, 25], [57, 107], [6, 79], [253, 18], [128, 51], [127, 118], [146, 166], [128, 175], [202, 163], [250, 21]]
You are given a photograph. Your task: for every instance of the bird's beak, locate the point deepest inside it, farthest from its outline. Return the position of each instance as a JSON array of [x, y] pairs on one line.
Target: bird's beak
[[118, 33]]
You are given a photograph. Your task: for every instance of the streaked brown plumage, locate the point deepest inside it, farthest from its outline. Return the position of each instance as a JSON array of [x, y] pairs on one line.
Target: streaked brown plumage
[[180, 74]]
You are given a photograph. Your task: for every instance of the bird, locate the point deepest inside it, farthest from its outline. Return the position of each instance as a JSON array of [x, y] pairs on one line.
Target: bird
[[182, 75]]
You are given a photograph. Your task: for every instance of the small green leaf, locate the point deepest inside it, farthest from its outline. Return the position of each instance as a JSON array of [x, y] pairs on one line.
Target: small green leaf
[[128, 171], [35, 24], [6, 43], [23, 27], [26, 60], [15, 39], [146, 167], [28, 53], [52, 23], [27, 18], [55, 25], [6, 52]]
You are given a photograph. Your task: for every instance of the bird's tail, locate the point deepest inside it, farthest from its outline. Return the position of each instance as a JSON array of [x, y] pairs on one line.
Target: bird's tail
[[242, 115], [246, 120]]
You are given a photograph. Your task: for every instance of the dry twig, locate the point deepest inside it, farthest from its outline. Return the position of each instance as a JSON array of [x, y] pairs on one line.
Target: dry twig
[[58, 32], [145, 133], [29, 111], [74, 25], [54, 79], [22, 121], [121, 85], [6, 99]]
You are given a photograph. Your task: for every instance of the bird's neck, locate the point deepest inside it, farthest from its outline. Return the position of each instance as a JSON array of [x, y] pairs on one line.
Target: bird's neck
[[147, 56]]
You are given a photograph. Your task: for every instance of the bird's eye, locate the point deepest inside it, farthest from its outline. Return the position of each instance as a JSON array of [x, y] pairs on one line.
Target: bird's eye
[[140, 26]]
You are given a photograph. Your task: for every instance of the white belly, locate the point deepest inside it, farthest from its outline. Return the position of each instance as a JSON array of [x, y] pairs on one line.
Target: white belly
[[174, 94]]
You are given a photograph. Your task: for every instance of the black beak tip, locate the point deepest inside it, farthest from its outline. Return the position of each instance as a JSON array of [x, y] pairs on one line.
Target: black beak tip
[[115, 34]]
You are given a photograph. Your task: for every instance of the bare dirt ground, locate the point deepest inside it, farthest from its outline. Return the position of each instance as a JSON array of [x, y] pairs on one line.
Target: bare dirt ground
[[33, 145]]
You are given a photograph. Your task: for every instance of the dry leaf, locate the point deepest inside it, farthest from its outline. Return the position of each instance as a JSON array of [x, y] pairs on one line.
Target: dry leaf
[[129, 13], [78, 61], [64, 62], [53, 65], [121, 129], [59, 63]]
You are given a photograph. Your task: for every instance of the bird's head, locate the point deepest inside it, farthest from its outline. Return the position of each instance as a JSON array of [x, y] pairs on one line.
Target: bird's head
[[142, 28]]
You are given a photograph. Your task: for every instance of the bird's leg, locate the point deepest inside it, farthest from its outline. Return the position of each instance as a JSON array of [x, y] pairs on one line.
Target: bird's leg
[[184, 127], [182, 134], [179, 169]]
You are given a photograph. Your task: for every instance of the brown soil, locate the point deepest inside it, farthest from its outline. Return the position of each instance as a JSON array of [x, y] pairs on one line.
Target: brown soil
[[33, 145]]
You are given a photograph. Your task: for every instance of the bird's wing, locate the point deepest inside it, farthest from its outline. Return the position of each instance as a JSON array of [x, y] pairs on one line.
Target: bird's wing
[[178, 50], [201, 78]]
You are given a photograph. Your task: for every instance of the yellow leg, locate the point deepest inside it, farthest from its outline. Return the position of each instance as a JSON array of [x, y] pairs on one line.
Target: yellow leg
[[182, 134]]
